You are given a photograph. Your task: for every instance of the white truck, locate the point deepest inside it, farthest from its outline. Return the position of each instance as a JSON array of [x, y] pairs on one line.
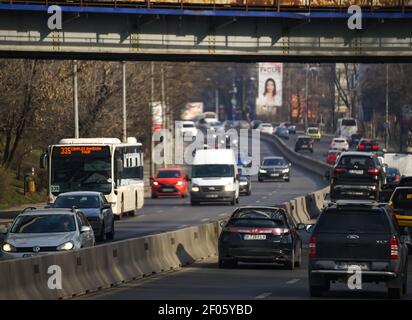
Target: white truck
[[401, 161]]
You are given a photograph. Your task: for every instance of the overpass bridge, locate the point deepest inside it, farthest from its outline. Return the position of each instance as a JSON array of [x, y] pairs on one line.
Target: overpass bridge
[[250, 30]]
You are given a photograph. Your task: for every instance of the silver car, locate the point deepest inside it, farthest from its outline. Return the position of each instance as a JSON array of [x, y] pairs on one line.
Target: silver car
[[44, 231]]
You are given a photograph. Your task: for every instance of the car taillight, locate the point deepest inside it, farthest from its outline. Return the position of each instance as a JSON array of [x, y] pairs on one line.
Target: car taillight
[[279, 231], [394, 248], [397, 179], [312, 247], [374, 171], [361, 146], [339, 170], [375, 147]]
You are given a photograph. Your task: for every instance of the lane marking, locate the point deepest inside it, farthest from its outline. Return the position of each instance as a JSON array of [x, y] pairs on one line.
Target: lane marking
[[205, 219], [292, 281], [264, 197], [263, 295]]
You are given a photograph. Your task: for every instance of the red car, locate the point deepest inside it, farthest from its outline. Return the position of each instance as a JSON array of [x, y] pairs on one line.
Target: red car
[[169, 182], [332, 156]]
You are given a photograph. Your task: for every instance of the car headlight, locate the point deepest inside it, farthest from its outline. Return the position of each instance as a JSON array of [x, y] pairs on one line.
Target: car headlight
[[66, 246], [179, 183], [155, 183], [243, 183], [262, 171], [234, 141], [7, 247], [195, 189], [228, 187], [285, 170]]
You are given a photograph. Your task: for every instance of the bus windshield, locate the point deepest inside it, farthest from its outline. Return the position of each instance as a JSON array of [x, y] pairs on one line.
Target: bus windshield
[[76, 168], [348, 122]]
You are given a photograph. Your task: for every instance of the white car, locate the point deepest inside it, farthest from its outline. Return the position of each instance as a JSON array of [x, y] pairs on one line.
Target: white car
[[266, 128], [44, 231], [188, 128], [340, 144]]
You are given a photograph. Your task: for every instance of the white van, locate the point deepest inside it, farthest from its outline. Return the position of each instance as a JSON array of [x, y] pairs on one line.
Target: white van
[[215, 177]]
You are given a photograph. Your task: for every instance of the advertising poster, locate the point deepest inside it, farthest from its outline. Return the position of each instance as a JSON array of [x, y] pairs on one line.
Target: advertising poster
[[270, 88], [157, 116], [192, 110]]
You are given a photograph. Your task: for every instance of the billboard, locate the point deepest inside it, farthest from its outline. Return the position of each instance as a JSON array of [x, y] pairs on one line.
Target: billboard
[[270, 88], [157, 116], [192, 110]]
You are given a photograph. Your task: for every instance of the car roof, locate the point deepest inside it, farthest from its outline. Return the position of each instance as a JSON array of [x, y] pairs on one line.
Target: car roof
[[356, 153], [273, 157], [339, 138], [334, 151], [171, 169], [80, 193], [48, 211]]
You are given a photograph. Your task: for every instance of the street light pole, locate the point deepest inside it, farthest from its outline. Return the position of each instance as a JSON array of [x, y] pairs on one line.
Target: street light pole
[[124, 101], [152, 84], [75, 101], [387, 108], [217, 101], [306, 97]]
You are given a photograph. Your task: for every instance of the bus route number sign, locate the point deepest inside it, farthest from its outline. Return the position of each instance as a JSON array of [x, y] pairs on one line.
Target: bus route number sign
[[64, 151]]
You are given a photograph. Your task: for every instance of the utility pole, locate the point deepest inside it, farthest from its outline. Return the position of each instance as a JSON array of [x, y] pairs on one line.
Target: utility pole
[[163, 113], [217, 101], [152, 83], [306, 97], [75, 101], [124, 101], [387, 109]]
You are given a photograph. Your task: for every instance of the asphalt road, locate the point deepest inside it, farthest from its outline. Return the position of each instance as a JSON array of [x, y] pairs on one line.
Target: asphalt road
[[204, 280]]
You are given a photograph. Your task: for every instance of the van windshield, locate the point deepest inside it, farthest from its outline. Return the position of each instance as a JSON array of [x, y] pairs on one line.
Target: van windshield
[[212, 170]]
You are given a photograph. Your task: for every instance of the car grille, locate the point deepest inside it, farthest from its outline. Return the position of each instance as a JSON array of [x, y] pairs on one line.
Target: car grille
[[30, 249], [211, 188]]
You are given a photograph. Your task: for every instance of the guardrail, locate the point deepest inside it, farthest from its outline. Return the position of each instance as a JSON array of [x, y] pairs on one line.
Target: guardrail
[[92, 269]]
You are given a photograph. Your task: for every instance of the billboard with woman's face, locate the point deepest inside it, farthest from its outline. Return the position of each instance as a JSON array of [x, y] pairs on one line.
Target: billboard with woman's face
[[270, 88]]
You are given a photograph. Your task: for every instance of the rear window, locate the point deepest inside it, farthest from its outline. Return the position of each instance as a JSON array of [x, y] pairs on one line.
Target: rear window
[[266, 125], [305, 140], [392, 171], [339, 141], [348, 122], [402, 198], [188, 125], [371, 221], [312, 131], [356, 162], [256, 223]]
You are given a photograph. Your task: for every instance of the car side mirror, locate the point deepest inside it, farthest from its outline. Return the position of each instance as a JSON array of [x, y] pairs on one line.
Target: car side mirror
[[309, 228], [4, 230], [85, 229], [43, 161], [300, 226]]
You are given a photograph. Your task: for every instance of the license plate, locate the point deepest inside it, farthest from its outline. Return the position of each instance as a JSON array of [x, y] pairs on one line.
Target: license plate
[[254, 237], [356, 171], [168, 190], [275, 174], [347, 265], [211, 196], [304, 145]]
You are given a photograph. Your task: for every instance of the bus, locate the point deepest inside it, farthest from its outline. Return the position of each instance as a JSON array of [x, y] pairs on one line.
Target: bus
[[97, 164], [346, 127]]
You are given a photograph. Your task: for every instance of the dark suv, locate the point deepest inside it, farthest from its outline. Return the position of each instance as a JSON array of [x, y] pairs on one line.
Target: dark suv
[[304, 143], [351, 235], [357, 175]]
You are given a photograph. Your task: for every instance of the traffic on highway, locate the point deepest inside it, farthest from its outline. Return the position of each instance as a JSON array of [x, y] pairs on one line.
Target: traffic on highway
[[230, 198]]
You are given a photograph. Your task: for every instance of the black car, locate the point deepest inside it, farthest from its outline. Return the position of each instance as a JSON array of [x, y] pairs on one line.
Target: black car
[[368, 145], [406, 181], [357, 175], [304, 143], [260, 234], [364, 236], [354, 140], [274, 168], [96, 209], [393, 177], [245, 185]]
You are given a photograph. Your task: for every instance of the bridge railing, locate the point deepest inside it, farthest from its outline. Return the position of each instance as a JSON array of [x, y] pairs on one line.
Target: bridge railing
[[271, 5]]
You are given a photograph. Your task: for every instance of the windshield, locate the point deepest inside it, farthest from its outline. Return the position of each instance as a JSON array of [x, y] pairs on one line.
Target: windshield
[[312, 131], [81, 168], [402, 199], [356, 162], [349, 122], [339, 141], [188, 125], [371, 221], [212, 170], [274, 162], [50, 223], [168, 174], [82, 202]]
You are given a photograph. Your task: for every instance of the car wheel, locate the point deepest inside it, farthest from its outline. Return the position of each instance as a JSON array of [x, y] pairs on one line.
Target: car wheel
[[394, 293], [290, 264], [224, 264], [118, 217], [102, 236], [298, 262], [288, 179], [110, 235]]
